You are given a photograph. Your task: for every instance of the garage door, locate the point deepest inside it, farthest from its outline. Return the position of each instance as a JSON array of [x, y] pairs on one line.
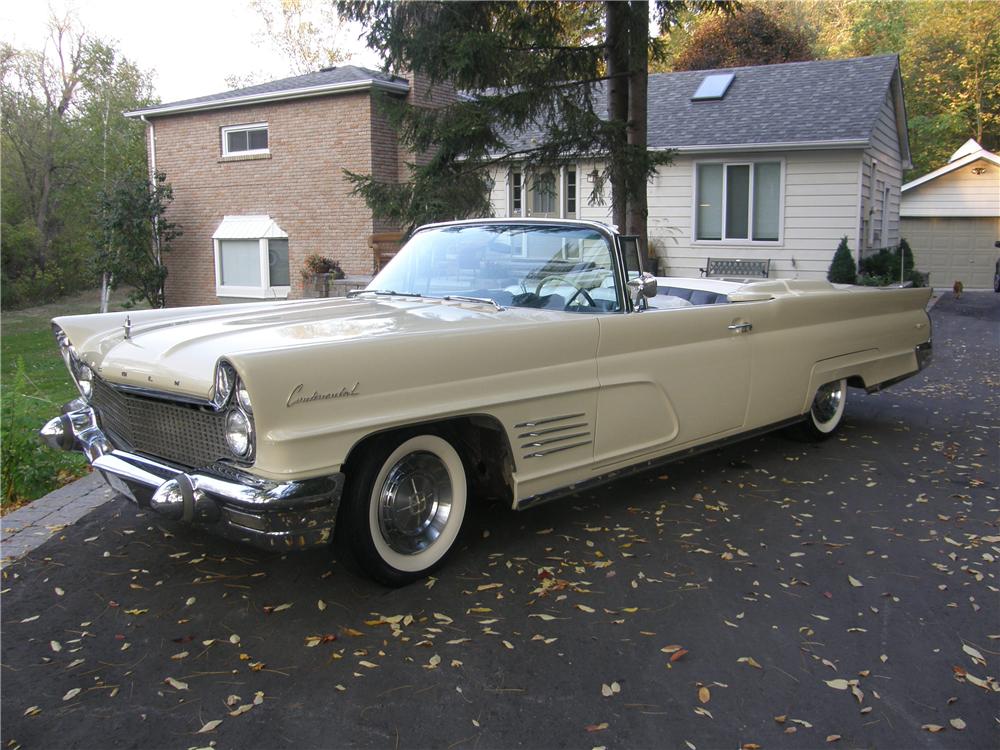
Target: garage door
[[954, 249]]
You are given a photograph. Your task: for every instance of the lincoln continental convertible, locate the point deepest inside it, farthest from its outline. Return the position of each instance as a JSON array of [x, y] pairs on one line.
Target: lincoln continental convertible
[[526, 359]]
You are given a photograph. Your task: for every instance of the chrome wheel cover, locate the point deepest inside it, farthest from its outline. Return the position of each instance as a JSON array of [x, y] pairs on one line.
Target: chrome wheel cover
[[826, 405], [414, 502]]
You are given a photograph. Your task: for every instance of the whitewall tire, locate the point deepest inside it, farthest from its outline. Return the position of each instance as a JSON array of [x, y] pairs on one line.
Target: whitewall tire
[[826, 413], [406, 505]]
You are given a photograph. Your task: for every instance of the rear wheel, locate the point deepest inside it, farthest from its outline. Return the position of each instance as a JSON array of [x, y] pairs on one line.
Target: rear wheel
[[826, 413], [405, 504]]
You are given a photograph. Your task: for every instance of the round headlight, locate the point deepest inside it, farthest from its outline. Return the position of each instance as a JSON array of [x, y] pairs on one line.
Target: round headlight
[[85, 380], [225, 377], [243, 397], [239, 433]]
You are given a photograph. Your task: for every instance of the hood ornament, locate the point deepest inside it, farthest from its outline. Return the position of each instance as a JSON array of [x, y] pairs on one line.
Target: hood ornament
[[128, 327]]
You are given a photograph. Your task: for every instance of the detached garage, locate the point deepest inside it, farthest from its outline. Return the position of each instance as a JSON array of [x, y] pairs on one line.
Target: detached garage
[[951, 218]]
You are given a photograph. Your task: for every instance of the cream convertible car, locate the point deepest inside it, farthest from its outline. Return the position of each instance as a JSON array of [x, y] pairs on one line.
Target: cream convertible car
[[529, 358]]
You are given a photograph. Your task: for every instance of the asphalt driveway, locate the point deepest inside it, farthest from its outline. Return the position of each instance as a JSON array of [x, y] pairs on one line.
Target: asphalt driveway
[[771, 594]]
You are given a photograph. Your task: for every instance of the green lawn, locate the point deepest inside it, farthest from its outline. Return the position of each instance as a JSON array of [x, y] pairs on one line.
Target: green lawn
[[32, 395]]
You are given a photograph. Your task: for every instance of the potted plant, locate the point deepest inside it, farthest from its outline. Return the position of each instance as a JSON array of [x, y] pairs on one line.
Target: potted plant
[[319, 270]]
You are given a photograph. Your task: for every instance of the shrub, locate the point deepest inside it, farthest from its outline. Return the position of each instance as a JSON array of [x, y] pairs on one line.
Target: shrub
[[28, 469], [882, 268], [316, 264], [842, 269]]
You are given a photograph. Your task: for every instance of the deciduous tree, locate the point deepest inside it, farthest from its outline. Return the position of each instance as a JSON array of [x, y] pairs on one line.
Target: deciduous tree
[[748, 37], [63, 139], [138, 235]]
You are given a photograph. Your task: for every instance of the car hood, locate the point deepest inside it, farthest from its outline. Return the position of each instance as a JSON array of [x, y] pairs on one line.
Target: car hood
[[176, 350]]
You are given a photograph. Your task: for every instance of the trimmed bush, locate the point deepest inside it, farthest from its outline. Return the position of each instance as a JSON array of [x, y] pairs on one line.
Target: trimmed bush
[[882, 268], [842, 269]]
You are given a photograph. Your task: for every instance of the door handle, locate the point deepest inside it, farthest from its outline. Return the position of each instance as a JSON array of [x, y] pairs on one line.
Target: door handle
[[741, 327]]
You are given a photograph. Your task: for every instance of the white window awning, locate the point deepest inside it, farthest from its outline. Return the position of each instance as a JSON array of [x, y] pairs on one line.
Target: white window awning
[[249, 227]]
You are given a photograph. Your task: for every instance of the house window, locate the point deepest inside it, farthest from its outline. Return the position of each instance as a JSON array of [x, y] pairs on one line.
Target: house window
[[251, 258], [571, 193], [242, 140], [738, 201], [543, 194], [515, 193]]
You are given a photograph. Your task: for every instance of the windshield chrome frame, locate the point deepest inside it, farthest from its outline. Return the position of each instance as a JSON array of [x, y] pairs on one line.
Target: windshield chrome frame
[[610, 236]]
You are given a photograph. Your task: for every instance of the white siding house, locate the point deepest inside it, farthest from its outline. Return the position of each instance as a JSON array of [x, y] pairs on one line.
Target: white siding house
[[788, 161], [951, 218]]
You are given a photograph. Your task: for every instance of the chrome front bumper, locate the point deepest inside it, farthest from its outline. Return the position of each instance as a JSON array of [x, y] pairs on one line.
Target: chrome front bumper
[[237, 505]]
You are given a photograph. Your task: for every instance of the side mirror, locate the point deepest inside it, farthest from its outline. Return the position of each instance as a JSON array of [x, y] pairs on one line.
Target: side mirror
[[642, 288]]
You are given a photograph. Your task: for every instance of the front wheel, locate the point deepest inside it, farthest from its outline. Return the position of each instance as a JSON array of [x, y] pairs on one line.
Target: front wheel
[[405, 504], [826, 413]]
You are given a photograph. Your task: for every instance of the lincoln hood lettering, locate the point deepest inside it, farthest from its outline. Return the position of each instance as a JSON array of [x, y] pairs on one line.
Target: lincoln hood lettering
[[296, 397]]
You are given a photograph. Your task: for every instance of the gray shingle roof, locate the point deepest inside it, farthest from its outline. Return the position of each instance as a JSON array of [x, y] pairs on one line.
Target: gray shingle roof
[[328, 77], [805, 102]]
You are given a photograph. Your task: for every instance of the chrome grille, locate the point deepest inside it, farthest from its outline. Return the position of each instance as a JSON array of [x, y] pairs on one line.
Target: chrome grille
[[184, 434]]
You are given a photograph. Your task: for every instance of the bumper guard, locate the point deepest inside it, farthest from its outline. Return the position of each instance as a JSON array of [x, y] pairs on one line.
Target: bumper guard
[[236, 505]]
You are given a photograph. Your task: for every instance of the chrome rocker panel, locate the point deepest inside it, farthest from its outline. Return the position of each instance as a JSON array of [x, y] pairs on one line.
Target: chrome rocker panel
[[241, 507]]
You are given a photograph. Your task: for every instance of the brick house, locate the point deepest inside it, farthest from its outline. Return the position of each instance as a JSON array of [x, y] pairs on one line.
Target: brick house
[[258, 182]]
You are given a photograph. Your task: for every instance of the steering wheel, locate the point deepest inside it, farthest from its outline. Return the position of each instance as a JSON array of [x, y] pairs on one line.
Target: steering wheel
[[580, 290]]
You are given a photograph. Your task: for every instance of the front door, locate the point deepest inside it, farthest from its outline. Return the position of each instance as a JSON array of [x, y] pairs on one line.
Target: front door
[[671, 378]]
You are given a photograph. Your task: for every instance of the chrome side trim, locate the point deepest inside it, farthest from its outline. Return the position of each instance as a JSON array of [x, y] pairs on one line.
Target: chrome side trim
[[544, 497], [547, 420], [550, 430], [560, 449], [559, 439]]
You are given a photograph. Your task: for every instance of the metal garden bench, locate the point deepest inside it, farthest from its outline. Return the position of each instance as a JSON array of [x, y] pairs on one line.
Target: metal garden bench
[[736, 268]]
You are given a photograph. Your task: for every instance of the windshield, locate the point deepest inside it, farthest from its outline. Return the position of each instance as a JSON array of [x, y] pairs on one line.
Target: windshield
[[540, 266]]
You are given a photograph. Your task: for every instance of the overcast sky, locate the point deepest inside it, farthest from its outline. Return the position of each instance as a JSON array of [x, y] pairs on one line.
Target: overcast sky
[[190, 46]]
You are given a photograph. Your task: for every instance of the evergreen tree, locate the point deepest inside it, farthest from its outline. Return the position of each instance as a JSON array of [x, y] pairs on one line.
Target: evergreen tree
[[842, 269], [531, 74]]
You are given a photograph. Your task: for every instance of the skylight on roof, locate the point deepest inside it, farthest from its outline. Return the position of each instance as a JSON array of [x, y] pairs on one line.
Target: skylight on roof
[[713, 86]]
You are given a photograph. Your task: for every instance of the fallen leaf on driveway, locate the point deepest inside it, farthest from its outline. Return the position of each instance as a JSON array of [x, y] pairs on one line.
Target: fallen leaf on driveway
[[837, 684], [70, 694], [749, 660], [957, 724], [176, 684], [597, 727], [976, 656], [210, 726], [933, 728], [704, 694], [854, 582]]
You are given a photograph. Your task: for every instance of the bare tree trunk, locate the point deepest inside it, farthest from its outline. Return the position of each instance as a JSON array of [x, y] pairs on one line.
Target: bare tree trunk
[[106, 280], [616, 39], [42, 223], [638, 82]]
